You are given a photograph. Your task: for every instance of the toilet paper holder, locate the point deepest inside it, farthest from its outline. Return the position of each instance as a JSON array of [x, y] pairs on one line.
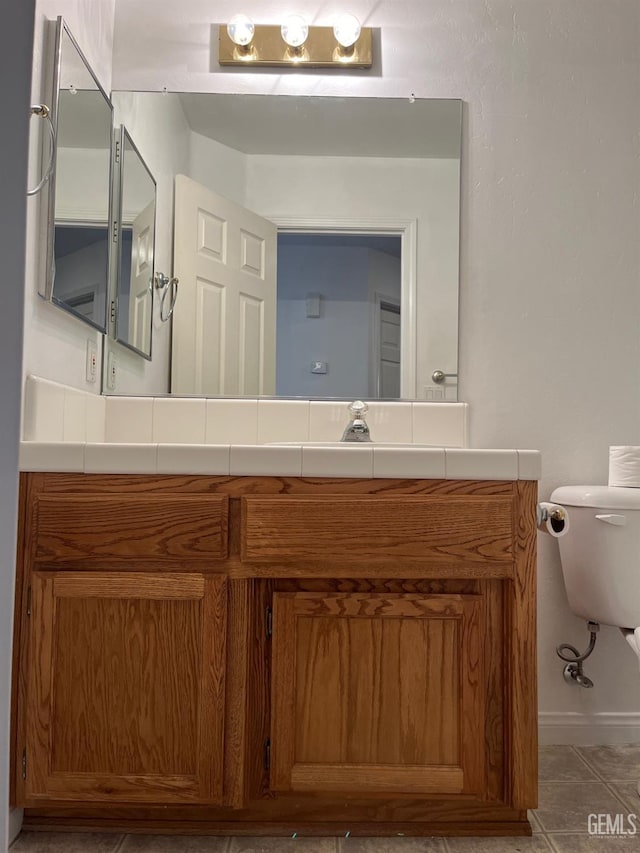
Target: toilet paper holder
[[555, 515]]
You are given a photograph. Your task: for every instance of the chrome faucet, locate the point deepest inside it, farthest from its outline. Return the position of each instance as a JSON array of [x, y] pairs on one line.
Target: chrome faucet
[[357, 429]]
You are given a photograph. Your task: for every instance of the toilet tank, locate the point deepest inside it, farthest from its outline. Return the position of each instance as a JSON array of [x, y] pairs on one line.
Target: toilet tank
[[601, 553]]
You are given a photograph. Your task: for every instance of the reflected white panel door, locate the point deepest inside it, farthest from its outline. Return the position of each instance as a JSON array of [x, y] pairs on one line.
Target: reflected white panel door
[[224, 323], [141, 294], [389, 351]]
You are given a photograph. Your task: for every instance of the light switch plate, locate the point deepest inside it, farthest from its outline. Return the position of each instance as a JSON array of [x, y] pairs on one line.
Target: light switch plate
[[112, 372], [433, 393], [313, 305], [92, 360]]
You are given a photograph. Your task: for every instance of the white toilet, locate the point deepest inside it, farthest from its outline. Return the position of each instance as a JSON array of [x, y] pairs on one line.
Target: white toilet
[[601, 555]]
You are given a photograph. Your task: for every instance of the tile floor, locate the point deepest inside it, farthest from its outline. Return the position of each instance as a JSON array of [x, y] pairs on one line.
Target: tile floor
[[574, 782]]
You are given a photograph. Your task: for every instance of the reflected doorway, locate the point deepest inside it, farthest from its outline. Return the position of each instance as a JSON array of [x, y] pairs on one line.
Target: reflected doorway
[[338, 315]]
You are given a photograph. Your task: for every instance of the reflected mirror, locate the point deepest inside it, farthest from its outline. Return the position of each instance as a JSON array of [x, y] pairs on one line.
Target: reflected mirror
[[137, 208], [77, 265], [316, 240]]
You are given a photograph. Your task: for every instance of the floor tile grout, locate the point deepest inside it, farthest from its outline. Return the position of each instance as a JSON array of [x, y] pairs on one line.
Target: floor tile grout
[[618, 797], [604, 790], [601, 775], [587, 764]]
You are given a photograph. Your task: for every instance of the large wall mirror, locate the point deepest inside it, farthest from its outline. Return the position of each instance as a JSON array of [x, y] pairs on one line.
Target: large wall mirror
[[316, 241], [77, 212]]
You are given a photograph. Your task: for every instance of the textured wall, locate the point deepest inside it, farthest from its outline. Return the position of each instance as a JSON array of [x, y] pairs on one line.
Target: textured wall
[[550, 303]]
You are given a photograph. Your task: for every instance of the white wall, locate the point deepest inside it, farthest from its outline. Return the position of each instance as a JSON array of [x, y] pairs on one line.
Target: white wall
[[218, 167], [340, 336], [15, 65], [157, 125], [82, 183], [347, 278], [55, 342], [550, 303]]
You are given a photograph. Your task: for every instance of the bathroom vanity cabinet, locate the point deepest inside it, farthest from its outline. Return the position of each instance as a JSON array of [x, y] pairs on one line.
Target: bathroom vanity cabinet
[[265, 655]]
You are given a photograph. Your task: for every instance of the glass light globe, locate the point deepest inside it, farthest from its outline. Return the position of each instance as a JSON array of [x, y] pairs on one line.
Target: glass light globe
[[295, 31], [241, 30], [347, 30]]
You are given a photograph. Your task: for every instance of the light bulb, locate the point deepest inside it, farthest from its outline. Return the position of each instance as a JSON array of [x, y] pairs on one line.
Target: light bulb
[[241, 29], [347, 30], [295, 31]]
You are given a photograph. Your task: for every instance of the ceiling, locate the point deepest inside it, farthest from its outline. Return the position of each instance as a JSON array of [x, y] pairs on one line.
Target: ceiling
[[321, 126]]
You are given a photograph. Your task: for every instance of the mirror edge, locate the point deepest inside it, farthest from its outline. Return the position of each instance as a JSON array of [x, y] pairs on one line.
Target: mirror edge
[[121, 135], [54, 33]]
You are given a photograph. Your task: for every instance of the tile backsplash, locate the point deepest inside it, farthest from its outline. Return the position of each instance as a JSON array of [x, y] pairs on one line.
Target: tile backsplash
[[54, 412], [58, 413]]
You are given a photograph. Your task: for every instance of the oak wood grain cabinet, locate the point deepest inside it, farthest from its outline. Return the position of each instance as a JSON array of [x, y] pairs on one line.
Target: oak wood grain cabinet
[[125, 689], [378, 692], [275, 655]]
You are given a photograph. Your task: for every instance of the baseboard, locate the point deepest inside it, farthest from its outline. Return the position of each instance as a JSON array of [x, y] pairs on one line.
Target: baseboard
[[585, 729], [15, 823]]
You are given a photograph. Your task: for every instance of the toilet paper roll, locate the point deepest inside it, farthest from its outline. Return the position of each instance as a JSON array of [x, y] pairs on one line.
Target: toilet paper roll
[[624, 466], [553, 519]]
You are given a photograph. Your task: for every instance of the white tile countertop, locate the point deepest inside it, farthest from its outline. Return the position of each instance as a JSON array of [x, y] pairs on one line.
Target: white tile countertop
[[66, 429], [293, 460]]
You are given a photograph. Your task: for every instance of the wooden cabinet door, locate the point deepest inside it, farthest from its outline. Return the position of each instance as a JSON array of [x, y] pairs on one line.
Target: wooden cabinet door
[[125, 695], [377, 692]]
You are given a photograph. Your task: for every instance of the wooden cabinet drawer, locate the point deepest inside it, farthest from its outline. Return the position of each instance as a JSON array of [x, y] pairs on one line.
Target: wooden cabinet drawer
[[156, 527], [369, 528]]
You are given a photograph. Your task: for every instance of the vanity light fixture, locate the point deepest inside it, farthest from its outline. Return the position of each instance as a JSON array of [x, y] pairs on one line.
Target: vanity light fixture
[[240, 30], [295, 43], [295, 31], [347, 30]]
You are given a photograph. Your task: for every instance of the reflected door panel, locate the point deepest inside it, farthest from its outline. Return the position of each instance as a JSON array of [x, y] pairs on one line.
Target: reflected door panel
[[389, 351], [225, 319], [137, 248]]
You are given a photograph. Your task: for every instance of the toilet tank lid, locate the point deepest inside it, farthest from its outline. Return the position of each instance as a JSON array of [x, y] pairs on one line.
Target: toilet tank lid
[[602, 497]]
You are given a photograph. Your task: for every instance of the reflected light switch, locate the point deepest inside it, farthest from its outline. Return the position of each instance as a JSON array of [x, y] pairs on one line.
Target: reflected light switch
[[313, 304], [319, 367]]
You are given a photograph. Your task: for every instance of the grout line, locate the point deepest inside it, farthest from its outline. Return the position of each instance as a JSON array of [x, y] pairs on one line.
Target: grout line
[[588, 765], [532, 817], [120, 844], [554, 832], [619, 797], [607, 782]]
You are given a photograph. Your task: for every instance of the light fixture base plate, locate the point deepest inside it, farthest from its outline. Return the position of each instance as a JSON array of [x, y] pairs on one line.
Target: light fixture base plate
[[320, 50]]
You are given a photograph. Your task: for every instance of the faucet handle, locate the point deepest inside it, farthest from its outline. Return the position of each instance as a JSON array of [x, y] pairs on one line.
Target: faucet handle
[[358, 408]]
